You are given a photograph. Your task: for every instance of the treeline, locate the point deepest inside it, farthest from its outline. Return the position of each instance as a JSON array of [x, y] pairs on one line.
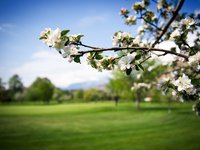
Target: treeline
[[137, 87], [40, 90], [43, 90]]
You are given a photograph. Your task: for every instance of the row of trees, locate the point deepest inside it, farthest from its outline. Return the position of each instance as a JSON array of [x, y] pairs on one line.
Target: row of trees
[[138, 86], [41, 89], [120, 87]]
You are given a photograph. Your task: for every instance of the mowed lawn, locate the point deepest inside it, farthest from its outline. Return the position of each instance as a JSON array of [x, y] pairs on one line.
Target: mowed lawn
[[99, 126]]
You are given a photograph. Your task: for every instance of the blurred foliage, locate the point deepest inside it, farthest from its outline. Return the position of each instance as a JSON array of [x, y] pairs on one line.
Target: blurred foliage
[[15, 84], [120, 84], [95, 95], [41, 89]]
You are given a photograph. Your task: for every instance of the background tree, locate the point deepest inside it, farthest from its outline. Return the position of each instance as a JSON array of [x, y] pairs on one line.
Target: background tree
[[15, 84], [16, 88], [120, 86], [58, 95], [78, 94], [5, 94], [94, 95], [139, 85], [40, 89]]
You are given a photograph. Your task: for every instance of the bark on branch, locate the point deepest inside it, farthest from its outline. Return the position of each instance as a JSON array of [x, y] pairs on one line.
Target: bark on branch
[[145, 49]]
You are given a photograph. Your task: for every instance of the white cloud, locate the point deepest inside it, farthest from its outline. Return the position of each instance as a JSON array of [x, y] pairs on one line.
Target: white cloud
[[50, 64], [167, 45], [6, 27], [91, 20]]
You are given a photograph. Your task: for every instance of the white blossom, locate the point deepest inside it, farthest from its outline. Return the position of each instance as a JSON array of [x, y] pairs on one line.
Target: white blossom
[[160, 4], [174, 93], [124, 35], [151, 68], [140, 30], [153, 17], [69, 51], [130, 20], [72, 38], [120, 37], [195, 58], [52, 38], [170, 8], [198, 68], [176, 33], [138, 6], [141, 85], [132, 88], [187, 21], [123, 11], [113, 56], [44, 33], [137, 40], [125, 62], [115, 41], [138, 76], [175, 24], [143, 43], [147, 99], [183, 84]]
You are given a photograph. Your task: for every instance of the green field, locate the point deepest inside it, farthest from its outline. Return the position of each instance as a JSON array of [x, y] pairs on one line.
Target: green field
[[98, 126]]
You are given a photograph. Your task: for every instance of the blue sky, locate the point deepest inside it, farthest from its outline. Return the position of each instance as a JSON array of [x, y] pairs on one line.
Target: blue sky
[[22, 20]]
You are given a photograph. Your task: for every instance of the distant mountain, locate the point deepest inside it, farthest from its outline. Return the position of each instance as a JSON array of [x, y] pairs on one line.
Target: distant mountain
[[87, 85]]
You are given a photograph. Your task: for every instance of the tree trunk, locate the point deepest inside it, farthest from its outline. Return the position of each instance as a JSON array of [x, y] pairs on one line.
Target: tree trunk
[[169, 106], [137, 104], [116, 99], [137, 101]]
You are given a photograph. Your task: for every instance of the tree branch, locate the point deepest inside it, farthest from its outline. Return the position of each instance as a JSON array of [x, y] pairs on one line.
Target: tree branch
[[151, 24], [175, 13], [81, 53], [97, 49], [88, 46], [145, 59]]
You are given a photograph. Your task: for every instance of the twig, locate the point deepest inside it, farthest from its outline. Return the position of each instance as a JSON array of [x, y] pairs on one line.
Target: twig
[[151, 24], [169, 22], [145, 59], [88, 46], [81, 53], [159, 55]]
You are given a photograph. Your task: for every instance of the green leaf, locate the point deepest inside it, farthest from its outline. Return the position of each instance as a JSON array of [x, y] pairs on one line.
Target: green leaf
[[79, 37], [138, 56], [64, 32], [173, 49], [98, 56], [42, 38], [128, 71], [67, 41], [77, 59], [141, 67], [198, 24], [137, 68], [196, 81]]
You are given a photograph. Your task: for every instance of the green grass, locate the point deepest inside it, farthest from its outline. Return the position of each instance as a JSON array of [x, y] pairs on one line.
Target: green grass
[[98, 126]]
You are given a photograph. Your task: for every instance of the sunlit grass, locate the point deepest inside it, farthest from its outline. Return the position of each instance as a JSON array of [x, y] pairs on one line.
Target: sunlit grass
[[98, 126]]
